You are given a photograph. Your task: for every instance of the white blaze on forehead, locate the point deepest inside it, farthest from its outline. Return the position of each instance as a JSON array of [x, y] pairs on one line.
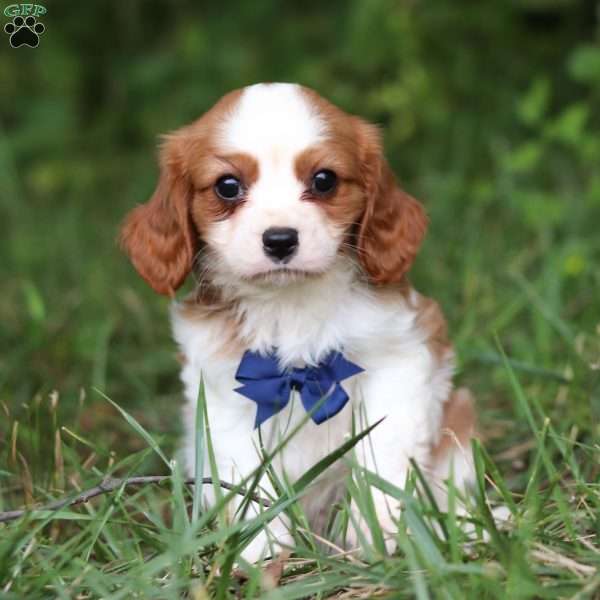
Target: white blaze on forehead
[[274, 124], [271, 120]]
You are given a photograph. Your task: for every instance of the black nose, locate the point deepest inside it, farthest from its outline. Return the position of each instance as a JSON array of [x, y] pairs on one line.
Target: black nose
[[280, 243]]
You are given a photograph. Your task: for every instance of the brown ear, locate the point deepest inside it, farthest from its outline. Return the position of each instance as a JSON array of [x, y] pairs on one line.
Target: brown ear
[[393, 224], [159, 236]]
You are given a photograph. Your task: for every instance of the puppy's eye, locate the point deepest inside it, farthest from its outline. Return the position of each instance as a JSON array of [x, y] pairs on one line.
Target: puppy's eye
[[228, 188], [323, 181]]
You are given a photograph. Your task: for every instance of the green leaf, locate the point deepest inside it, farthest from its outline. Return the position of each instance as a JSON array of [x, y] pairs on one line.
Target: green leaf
[[525, 157], [34, 302], [569, 126], [584, 64], [533, 106]]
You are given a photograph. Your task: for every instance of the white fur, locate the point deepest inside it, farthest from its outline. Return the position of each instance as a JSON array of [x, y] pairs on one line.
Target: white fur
[[273, 123], [304, 318], [401, 382]]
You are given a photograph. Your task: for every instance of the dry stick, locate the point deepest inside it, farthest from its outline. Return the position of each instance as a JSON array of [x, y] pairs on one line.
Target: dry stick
[[109, 485]]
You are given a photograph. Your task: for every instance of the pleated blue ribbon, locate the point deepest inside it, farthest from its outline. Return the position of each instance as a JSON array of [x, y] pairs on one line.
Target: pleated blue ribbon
[[265, 383]]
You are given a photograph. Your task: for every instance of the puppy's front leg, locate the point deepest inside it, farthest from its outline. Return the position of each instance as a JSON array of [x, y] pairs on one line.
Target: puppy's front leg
[[237, 456], [401, 395], [274, 534]]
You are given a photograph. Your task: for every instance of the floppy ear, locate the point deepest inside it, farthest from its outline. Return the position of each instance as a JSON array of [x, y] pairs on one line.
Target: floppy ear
[[393, 224], [159, 236]]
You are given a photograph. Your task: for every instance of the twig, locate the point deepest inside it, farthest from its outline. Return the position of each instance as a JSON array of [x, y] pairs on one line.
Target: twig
[[553, 558], [109, 485]]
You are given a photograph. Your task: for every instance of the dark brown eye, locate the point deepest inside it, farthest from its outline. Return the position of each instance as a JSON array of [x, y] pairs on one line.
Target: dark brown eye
[[228, 188], [324, 181]]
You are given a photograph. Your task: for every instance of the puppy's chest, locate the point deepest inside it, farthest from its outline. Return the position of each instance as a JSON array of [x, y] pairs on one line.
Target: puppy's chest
[[395, 380], [233, 419], [378, 337], [380, 360]]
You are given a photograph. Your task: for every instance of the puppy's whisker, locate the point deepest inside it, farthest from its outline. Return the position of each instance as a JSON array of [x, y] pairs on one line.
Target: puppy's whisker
[[358, 249]]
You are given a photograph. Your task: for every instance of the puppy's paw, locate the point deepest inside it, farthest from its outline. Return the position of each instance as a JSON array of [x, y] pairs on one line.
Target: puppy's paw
[[268, 544], [359, 532]]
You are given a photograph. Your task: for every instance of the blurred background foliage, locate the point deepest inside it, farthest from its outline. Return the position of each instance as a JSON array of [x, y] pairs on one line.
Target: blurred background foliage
[[491, 112]]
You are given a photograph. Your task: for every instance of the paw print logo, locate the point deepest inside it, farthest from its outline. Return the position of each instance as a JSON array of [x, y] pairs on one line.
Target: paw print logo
[[24, 32]]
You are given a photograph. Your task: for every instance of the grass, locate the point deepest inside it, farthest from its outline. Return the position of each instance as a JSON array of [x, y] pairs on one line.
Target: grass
[[528, 343], [148, 544], [89, 381], [526, 351]]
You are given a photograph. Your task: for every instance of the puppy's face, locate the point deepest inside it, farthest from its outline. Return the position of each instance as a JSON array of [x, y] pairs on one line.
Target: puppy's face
[[270, 185], [270, 190]]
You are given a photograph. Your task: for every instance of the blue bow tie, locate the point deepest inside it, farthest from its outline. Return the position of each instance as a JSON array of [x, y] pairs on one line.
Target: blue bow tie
[[269, 386]]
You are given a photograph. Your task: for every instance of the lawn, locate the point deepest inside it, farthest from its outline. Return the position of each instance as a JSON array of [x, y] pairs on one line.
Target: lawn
[[491, 116]]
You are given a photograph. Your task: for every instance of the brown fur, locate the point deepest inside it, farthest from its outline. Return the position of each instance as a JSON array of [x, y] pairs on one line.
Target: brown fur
[[337, 152], [161, 236], [206, 206], [458, 425], [391, 224], [158, 235], [206, 303], [431, 320], [458, 420], [346, 203], [385, 225]]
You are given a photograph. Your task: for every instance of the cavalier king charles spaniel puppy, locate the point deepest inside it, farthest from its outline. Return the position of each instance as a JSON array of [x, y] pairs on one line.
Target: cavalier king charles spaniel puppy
[[299, 238]]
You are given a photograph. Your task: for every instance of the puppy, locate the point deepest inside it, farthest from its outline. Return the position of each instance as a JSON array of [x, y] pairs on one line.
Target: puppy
[[299, 238]]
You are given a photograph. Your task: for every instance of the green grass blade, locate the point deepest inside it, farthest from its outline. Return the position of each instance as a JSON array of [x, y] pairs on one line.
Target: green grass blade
[[138, 429], [199, 450]]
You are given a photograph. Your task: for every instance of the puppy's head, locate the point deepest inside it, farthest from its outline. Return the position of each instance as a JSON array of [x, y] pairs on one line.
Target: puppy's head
[[272, 184]]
